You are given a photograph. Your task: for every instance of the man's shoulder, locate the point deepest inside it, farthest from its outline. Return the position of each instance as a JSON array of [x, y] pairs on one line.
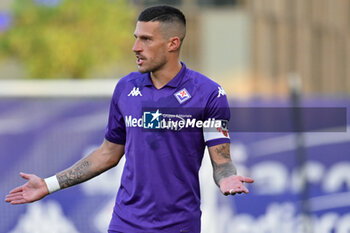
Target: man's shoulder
[[202, 81], [129, 82], [133, 78]]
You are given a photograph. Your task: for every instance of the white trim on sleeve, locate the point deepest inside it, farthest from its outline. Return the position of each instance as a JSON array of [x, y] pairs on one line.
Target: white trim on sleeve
[[216, 133]]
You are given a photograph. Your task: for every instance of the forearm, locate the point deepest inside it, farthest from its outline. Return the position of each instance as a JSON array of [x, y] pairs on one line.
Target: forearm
[[221, 161], [225, 173], [223, 170], [79, 172], [102, 159]]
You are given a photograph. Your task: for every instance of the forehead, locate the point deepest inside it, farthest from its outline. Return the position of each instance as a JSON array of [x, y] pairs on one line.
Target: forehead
[[146, 28]]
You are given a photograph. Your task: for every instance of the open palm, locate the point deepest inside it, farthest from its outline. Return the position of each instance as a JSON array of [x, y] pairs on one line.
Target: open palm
[[234, 184], [33, 190]]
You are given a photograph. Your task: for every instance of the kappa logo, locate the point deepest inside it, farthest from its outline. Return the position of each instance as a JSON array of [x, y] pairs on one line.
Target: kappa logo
[[182, 95], [221, 92], [135, 92]]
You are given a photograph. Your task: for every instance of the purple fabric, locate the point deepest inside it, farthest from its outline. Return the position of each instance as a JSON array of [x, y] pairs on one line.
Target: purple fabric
[[159, 190]]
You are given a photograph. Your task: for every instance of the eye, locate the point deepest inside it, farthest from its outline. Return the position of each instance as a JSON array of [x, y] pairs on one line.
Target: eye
[[145, 38]]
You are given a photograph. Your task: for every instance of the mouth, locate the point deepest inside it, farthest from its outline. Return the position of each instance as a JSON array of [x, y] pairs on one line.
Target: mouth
[[139, 60]]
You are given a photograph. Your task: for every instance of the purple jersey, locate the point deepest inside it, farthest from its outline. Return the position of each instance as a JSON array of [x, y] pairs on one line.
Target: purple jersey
[[159, 190]]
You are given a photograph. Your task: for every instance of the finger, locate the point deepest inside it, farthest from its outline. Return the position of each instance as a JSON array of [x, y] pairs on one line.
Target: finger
[[25, 175], [241, 189], [18, 198], [247, 179], [13, 199], [244, 190], [22, 201], [232, 191], [16, 190], [14, 195], [226, 193]]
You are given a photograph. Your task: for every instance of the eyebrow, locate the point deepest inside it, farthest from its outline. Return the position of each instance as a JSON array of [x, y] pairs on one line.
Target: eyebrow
[[143, 36]]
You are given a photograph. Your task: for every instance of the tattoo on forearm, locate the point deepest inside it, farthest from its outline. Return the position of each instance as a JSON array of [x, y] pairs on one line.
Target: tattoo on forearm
[[223, 151], [75, 175], [225, 168]]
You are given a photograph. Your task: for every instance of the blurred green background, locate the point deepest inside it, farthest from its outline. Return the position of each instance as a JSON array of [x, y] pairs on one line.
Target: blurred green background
[[68, 39], [250, 47]]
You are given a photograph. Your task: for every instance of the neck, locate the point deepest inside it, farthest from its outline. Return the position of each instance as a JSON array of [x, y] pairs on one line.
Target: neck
[[164, 75]]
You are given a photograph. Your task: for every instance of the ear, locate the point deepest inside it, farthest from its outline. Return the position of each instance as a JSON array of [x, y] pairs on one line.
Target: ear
[[174, 44]]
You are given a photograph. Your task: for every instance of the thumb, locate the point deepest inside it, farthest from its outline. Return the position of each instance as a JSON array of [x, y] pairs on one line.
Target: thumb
[[24, 175]]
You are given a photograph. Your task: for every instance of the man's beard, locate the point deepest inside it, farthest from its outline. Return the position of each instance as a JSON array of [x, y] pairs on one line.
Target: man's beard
[[153, 68]]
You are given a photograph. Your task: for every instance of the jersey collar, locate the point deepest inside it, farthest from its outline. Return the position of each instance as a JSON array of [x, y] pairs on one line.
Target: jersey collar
[[175, 82]]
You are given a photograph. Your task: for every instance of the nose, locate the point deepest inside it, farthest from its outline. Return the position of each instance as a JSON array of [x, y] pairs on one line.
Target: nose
[[137, 47]]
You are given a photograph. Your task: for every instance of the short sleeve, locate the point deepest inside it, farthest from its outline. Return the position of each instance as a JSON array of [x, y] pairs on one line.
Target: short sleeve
[[115, 130], [217, 109]]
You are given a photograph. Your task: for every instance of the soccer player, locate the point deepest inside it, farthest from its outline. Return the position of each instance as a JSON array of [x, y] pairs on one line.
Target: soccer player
[[159, 190]]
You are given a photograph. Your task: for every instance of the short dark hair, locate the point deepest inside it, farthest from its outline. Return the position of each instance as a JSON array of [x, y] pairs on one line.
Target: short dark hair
[[162, 13]]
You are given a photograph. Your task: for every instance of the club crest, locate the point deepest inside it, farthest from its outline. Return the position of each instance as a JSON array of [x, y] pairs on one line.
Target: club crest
[[182, 95]]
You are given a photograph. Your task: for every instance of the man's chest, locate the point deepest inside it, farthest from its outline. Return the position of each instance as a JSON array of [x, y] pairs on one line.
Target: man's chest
[[134, 100], [151, 108]]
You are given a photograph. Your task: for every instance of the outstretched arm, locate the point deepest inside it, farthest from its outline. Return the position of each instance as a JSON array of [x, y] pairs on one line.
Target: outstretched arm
[[225, 173], [102, 159]]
